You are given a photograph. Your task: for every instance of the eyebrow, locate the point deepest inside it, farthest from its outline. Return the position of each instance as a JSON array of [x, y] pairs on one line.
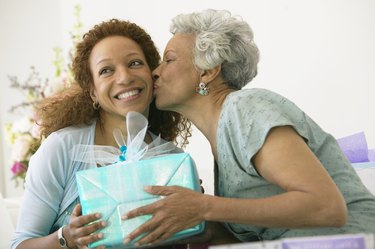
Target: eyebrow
[[127, 55], [169, 51], [102, 60]]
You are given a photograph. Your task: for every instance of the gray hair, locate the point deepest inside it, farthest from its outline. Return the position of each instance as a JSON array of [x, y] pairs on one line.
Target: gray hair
[[221, 39]]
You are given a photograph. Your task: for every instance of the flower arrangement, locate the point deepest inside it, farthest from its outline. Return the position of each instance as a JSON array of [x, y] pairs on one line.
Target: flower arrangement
[[23, 134]]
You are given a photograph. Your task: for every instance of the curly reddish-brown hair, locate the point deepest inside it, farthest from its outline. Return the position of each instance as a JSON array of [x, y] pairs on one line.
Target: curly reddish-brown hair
[[74, 105]]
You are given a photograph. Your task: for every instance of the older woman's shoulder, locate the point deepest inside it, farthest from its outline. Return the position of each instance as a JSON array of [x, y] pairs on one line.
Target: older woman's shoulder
[[257, 93], [254, 96]]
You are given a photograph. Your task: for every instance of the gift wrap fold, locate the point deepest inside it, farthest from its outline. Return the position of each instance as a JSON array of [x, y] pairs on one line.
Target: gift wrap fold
[[117, 188]]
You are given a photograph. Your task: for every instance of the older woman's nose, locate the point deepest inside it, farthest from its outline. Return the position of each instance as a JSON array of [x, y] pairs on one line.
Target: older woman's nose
[[155, 73], [155, 76]]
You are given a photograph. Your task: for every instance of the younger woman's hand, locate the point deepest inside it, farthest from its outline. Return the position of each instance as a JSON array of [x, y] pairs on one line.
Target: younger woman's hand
[[78, 233]]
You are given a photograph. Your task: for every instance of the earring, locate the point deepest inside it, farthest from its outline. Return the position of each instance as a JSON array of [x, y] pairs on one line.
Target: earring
[[202, 89], [95, 105]]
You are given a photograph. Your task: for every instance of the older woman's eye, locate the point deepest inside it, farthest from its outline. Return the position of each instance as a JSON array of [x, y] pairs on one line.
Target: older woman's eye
[[168, 60]]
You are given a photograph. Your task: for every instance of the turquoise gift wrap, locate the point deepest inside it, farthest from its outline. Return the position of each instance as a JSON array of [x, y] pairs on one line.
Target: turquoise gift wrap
[[115, 189]]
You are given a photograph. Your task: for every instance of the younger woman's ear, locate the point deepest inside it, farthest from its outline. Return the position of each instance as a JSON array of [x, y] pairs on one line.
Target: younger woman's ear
[[92, 94], [210, 74]]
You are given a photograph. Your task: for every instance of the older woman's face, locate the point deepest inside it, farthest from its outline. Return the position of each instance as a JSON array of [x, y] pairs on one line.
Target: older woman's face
[[176, 76], [122, 77]]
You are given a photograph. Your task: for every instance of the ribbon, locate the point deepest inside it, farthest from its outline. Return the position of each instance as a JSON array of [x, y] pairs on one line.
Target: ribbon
[[131, 149]]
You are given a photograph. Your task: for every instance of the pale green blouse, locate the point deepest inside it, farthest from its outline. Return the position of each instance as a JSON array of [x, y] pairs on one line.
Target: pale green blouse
[[246, 118]]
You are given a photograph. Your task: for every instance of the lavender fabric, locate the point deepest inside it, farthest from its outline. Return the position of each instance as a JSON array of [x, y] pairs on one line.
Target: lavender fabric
[[329, 242], [371, 155], [356, 149]]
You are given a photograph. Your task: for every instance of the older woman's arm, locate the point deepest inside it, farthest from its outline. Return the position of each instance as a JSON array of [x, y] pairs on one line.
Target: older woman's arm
[[311, 198]]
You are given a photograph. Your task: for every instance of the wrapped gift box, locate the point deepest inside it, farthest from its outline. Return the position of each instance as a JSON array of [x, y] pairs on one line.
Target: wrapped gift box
[[115, 189]]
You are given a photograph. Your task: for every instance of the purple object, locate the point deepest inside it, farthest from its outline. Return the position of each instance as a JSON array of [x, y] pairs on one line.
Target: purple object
[[326, 243], [371, 155], [355, 147]]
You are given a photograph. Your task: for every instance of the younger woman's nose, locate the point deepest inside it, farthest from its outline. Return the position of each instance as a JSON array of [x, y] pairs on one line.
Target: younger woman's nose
[[123, 76]]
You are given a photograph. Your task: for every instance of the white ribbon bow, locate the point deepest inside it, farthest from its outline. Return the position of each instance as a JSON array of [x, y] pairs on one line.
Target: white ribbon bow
[[134, 149]]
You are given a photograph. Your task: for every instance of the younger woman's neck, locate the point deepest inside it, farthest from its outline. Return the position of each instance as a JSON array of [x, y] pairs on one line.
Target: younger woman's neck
[[104, 131]]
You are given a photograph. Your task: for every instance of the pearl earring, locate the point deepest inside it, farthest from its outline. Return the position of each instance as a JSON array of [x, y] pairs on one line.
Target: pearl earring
[[202, 89]]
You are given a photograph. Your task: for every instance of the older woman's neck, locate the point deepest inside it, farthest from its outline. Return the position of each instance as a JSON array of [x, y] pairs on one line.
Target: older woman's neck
[[205, 111]]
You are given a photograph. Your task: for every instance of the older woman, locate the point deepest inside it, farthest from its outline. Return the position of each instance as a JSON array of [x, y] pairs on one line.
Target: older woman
[[277, 173]]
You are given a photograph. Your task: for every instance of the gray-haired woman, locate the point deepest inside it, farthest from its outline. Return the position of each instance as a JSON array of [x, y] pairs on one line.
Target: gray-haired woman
[[277, 173]]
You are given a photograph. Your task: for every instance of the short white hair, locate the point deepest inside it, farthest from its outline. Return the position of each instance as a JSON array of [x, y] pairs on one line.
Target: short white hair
[[221, 39]]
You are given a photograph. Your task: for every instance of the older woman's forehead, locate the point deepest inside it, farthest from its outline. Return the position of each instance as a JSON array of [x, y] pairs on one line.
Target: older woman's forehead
[[180, 43]]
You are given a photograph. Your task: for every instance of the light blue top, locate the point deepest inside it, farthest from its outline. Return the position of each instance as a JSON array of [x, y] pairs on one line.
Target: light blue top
[[50, 189], [246, 118]]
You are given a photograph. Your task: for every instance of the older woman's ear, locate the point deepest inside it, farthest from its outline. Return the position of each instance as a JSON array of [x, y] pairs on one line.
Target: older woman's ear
[[210, 74]]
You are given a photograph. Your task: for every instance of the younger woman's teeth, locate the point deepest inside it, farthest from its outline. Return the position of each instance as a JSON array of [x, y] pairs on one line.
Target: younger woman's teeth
[[127, 94]]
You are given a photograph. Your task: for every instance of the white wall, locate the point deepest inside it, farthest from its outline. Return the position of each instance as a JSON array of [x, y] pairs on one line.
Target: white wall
[[29, 31], [318, 53]]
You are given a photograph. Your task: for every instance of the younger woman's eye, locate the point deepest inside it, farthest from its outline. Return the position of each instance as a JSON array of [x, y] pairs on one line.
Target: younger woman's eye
[[104, 71], [136, 63]]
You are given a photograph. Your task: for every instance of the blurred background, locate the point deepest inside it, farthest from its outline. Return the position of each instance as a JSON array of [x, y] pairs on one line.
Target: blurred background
[[318, 53]]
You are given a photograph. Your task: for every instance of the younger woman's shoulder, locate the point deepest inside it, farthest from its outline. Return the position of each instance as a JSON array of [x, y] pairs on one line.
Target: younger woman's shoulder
[[72, 135], [75, 130]]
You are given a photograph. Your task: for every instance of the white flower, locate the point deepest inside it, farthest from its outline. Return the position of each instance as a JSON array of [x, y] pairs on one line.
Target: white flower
[[21, 148], [56, 86], [22, 125], [35, 131]]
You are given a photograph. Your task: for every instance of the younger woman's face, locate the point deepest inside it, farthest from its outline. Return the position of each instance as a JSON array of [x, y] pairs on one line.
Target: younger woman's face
[[122, 77]]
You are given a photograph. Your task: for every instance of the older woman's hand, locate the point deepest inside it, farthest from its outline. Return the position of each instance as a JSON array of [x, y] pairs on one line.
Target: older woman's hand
[[180, 209], [78, 233]]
